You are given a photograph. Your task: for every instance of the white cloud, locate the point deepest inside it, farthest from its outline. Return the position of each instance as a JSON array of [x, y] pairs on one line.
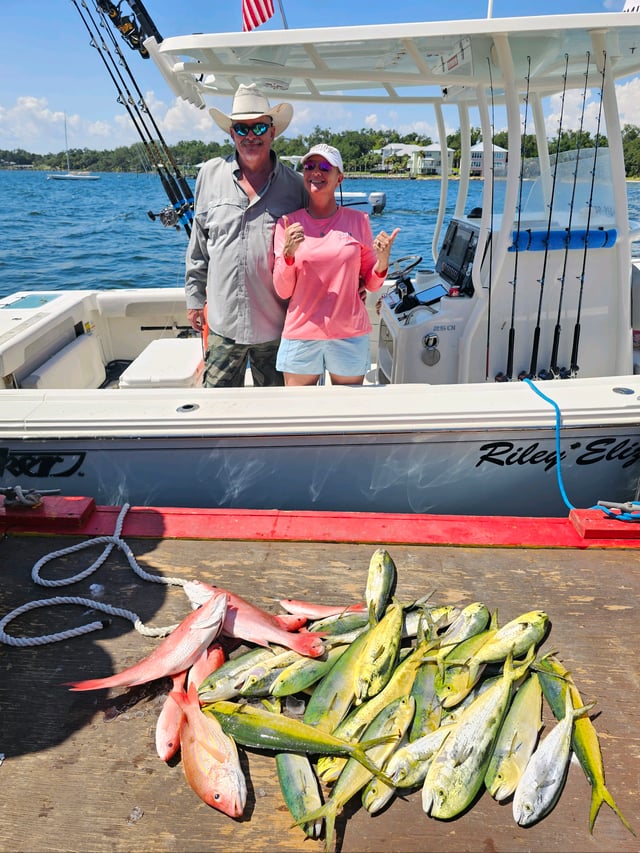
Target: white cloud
[[628, 98], [31, 124]]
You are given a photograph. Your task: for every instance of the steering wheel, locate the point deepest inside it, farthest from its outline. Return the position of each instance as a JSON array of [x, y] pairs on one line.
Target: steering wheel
[[400, 267]]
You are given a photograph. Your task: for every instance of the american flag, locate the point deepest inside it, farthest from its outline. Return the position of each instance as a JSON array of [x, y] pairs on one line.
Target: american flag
[[256, 12]]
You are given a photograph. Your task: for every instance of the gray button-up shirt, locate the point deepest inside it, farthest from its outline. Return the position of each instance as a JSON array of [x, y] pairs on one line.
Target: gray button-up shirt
[[229, 261]]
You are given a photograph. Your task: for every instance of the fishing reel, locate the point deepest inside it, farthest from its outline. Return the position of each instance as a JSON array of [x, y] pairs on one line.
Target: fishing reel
[[169, 216], [126, 25]]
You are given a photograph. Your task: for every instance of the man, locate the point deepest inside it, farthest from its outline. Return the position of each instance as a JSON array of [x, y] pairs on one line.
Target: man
[[229, 262]]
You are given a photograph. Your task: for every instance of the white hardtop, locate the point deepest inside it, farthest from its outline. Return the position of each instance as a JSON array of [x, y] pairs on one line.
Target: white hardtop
[[428, 62]]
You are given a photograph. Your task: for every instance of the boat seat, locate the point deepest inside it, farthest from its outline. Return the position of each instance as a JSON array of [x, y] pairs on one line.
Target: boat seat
[[77, 365], [166, 363]]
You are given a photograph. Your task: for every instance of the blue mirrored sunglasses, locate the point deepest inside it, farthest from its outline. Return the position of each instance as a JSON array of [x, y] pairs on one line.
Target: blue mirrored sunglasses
[[311, 166], [259, 128]]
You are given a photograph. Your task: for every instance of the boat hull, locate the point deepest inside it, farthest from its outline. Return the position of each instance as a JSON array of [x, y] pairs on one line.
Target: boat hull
[[509, 472]]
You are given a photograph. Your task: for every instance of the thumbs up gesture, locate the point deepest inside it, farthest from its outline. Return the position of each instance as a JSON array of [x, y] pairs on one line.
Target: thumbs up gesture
[[293, 236]]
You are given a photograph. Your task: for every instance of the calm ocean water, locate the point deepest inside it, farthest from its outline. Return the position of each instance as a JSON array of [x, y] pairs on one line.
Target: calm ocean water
[[56, 235]]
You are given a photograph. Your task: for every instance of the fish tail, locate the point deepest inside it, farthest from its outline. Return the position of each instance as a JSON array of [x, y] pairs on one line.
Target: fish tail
[[118, 680], [360, 755], [327, 812], [600, 795]]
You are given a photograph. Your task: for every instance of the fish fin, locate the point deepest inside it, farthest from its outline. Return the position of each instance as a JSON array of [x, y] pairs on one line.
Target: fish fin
[[210, 617], [515, 745], [463, 756]]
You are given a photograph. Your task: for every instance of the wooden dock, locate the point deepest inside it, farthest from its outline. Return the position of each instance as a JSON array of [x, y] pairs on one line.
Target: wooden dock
[[80, 770]]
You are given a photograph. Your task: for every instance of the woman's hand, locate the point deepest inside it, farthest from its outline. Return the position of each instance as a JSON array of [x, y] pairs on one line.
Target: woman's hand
[[293, 236], [382, 247]]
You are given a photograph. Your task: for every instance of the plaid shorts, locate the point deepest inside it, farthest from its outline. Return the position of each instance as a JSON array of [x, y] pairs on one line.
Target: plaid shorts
[[225, 363]]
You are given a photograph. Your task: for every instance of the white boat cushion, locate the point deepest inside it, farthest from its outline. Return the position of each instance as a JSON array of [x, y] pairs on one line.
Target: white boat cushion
[[78, 365]]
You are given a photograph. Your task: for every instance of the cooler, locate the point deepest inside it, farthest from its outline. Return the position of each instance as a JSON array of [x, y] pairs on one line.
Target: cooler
[[166, 363]]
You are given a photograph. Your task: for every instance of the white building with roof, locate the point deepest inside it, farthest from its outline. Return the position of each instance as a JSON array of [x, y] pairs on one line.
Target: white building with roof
[[422, 159], [477, 167]]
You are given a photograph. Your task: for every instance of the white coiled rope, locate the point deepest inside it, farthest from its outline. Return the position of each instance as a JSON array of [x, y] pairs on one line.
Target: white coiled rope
[[110, 542]]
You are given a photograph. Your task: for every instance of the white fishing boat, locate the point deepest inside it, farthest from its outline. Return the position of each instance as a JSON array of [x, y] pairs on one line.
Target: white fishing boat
[[373, 202], [101, 389]]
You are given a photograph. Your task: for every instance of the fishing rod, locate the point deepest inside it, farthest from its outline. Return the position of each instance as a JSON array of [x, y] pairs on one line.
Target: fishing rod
[[506, 377], [554, 371], [574, 368], [492, 207], [533, 367], [179, 194], [182, 182]]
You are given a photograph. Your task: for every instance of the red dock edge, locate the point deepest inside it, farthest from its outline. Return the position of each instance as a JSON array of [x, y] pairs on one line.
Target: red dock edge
[[82, 517]]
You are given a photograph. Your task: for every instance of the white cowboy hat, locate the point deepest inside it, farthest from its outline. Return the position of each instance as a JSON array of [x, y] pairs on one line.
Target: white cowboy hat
[[249, 103]]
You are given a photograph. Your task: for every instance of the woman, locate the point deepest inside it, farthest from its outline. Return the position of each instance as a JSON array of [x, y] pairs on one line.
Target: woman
[[324, 254]]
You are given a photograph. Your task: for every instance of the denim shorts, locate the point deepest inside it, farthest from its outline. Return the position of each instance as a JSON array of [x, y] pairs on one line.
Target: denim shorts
[[342, 356]]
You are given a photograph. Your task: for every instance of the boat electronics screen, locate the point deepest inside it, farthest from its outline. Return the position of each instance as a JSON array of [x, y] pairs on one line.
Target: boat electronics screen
[[456, 256]]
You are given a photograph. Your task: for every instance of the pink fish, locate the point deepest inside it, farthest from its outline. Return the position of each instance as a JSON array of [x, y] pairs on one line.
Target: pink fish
[[210, 660], [248, 622], [169, 721], [176, 653], [319, 611], [210, 758]]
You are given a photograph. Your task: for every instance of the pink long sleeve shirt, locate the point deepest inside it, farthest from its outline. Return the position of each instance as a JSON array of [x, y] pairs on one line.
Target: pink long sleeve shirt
[[322, 282]]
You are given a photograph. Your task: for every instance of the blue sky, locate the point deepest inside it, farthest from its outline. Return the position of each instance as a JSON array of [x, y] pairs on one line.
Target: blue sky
[[47, 67]]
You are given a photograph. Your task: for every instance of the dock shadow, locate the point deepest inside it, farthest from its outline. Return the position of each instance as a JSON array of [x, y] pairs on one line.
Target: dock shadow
[[37, 709]]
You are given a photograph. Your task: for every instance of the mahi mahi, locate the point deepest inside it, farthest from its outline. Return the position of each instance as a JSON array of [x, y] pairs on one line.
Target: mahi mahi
[[544, 776], [458, 768], [516, 741], [556, 681]]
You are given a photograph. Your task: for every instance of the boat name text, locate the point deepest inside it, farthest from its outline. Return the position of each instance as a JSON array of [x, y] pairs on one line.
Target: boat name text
[[599, 450], [40, 463]]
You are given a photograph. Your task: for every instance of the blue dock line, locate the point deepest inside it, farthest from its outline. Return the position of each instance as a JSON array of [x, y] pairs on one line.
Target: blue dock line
[[629, 511]]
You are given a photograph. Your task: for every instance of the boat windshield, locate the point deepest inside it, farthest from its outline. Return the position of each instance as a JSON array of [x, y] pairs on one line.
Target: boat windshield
[[577, 190]]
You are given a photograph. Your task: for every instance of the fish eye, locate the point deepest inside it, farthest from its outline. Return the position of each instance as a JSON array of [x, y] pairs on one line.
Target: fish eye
[[216, 796]]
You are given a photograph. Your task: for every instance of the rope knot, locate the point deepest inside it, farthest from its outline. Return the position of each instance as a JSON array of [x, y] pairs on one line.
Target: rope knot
[[16, 496]]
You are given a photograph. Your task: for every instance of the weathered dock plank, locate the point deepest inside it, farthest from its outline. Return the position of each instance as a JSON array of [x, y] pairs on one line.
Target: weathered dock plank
[[80, 770]]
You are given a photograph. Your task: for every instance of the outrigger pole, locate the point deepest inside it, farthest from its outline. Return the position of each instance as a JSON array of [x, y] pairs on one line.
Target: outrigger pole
[[175, 185], [533, 367], [576, 331], [554, 371]]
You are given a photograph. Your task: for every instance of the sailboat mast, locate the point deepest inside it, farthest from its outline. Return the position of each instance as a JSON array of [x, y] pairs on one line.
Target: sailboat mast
[[66, 143]]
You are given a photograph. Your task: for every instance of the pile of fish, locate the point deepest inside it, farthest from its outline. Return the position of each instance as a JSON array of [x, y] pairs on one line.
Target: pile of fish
[[373, 700]]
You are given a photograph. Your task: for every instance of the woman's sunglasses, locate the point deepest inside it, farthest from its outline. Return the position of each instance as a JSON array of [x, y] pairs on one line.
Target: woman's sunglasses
[[259, 128], [311, 166]]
